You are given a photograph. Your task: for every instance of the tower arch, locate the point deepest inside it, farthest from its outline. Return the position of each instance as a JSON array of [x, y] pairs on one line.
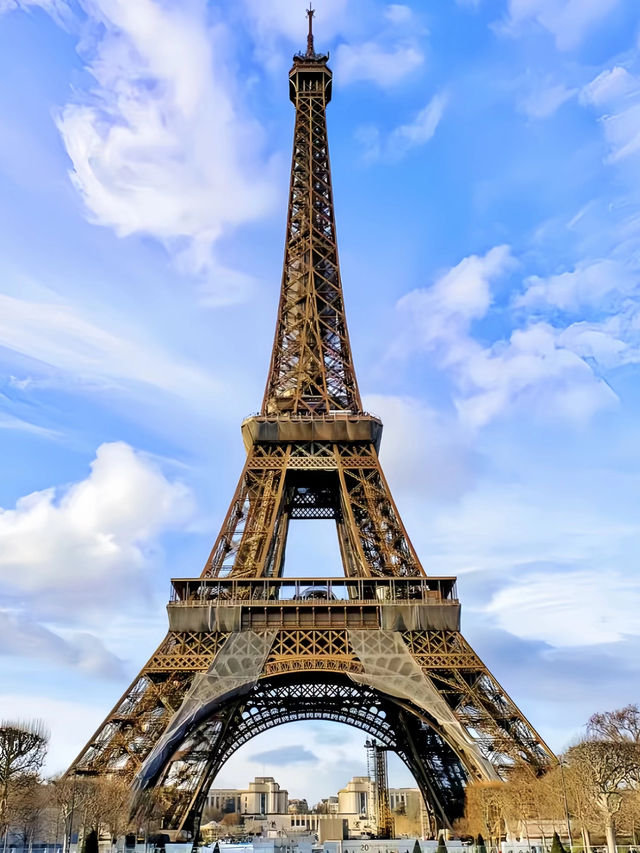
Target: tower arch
[[205, 742]]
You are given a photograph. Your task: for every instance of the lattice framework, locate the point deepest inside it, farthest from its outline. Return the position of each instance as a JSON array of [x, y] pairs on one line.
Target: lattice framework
[[312, 454]]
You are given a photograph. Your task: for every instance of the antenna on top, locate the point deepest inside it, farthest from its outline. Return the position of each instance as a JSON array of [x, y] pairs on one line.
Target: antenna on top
[[310, 48]]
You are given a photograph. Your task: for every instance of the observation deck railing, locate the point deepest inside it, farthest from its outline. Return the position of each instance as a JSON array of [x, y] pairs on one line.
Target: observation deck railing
[[337, 591]]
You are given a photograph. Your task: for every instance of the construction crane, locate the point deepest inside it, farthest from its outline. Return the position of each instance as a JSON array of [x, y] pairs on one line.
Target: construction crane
[[377, 770]]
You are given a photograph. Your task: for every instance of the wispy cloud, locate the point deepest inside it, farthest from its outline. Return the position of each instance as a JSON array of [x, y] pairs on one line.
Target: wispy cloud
[[609, 86], [56, 335], [8, 421], [568, 21], [294, 754], [58, 9], [21, 636], [617, 91], [373, 62], [545, 100], [396, 143], [159, 142], [568, 608]]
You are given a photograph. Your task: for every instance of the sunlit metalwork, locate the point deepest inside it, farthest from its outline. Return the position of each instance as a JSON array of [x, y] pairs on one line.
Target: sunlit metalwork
[[249, 649]]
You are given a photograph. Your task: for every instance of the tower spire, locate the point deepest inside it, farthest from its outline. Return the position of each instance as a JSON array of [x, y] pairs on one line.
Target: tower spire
[[310, 48], [311, 365]]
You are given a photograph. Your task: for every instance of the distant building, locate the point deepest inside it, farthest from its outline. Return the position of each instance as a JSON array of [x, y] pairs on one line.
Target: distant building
[[357, 799], [263, 797], [228, 800], [408, 810], [266, 809]]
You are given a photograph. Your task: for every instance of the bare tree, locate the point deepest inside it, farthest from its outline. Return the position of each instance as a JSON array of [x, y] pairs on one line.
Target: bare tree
[[605, 770], [23, 748], [623, 724], [487, 809], [27, 807]]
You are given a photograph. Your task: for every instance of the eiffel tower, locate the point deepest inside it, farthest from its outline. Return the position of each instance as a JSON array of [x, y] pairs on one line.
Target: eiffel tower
[[248, 649]]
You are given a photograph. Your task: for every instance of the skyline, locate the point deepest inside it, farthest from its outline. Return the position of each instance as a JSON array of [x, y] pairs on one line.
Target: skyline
[[145, 156]]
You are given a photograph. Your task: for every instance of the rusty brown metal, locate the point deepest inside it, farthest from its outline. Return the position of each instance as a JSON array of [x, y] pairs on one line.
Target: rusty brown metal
[[247, 648]]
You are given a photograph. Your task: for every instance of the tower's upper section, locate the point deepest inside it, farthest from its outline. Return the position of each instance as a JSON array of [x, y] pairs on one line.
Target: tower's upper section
[[311, 368]]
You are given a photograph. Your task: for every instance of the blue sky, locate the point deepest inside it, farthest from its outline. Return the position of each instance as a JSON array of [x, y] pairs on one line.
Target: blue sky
[[486, 163]]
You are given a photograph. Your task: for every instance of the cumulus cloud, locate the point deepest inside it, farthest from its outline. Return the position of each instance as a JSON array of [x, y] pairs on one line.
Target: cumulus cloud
[[532, 368], [569, 608], [604, 293], [569, 21], [58, 336], [159, 144], [69, 551], [591, 284]]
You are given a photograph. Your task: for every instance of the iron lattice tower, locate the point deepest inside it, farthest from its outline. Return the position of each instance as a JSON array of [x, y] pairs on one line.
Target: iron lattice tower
[[249, 649]]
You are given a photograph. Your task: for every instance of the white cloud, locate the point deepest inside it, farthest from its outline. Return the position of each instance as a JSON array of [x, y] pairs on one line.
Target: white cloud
[[159, 144], [591, 284], [564, 609], [611, 342], [531, 369], [421, 128], [547, 513], [8, 421], [21, 636], [622, 132], [58, 9], [544, 102], [440, 464], [441, 313], [398, 13], [91, 543], [567, 20], [609, 86], [603, 290], [398, 142], [371, 62], [57, 336], [618, 91]]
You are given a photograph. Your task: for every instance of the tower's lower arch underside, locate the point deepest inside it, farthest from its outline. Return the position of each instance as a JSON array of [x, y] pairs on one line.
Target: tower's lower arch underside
[[200, 743]]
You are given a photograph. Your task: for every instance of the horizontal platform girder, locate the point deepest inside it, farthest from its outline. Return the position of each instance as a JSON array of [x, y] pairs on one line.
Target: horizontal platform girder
[[338, 427]]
